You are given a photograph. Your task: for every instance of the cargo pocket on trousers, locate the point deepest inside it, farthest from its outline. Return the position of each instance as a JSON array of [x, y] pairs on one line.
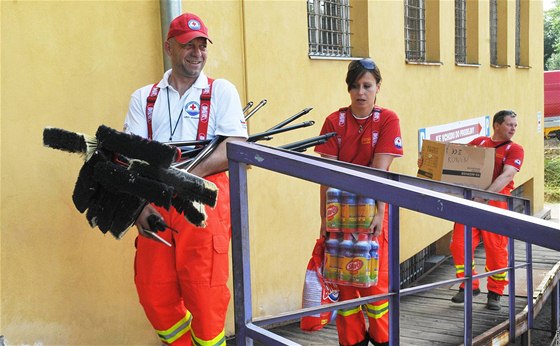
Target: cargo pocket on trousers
[[220, 261]]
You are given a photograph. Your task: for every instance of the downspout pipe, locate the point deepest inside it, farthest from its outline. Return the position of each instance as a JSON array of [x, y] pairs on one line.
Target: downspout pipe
[[168, 10]]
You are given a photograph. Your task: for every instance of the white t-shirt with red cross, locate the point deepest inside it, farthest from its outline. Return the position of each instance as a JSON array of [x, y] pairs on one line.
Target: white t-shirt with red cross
[[176, 119]]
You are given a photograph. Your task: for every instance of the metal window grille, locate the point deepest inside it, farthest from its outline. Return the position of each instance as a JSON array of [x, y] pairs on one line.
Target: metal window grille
[[494, 32], [415, 30], [413, 268], [518, 32], [329, 28], [460, 31]]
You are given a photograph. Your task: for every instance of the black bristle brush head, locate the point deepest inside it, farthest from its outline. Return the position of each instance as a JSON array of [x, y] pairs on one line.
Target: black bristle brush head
[[114, 212], [194, 212], [126, 214], [86, 187], [186, 185], [68, 141], [91, 215], [120, 211], [106, 207], [118, 178], [136, 147]]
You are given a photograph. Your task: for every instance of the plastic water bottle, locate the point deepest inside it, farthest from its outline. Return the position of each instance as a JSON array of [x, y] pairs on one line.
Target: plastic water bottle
[[346, 255], [374, 262], [366, 211], [349, 205], [330, 268], [333, 210], [361, 262]]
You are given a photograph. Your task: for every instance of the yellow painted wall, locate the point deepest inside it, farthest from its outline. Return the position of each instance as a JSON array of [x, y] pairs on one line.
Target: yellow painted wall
[[1, 213], [423, 96], [71, 65], [74, 65]]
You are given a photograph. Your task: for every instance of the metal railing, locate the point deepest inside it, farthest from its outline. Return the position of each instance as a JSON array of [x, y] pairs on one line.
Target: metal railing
[[441, 200]]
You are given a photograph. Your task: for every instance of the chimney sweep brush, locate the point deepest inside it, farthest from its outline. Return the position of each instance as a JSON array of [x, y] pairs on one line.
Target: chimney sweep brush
[[71, 142], [133, 146], [185, 184], [113, 194]]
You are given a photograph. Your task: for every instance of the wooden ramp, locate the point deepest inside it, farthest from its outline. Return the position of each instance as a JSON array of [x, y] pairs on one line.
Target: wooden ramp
[[430, 318]]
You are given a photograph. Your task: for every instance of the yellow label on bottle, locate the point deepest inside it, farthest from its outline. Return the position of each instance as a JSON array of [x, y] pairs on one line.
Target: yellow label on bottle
[[374, 270], [344, 273], [333, 216], [366, 212], [330, 269], [349, 216]]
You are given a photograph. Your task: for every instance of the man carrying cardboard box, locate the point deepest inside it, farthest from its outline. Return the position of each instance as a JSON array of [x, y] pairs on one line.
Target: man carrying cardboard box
[[455, 163], [508, 161]]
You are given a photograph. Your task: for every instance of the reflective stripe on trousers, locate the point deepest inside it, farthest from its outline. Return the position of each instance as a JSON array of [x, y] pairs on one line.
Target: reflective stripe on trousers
[[377, 309], [219, 340], [350, 323], [460, 269], [495, 246], [176, 331], [189, 277]]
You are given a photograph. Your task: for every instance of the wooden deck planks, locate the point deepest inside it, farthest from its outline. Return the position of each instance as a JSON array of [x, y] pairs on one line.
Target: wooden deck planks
[[430, 318]]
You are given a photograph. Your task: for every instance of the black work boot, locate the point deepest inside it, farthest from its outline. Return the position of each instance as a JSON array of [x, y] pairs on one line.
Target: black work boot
[[365, 342], [493, 302], [460, 296], [377, 343]]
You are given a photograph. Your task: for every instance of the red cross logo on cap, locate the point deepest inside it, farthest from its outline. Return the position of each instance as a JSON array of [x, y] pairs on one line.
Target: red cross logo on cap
[[194, 24]]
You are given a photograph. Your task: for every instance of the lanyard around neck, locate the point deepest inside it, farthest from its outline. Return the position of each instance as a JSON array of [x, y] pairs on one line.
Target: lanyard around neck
[[172, 130]]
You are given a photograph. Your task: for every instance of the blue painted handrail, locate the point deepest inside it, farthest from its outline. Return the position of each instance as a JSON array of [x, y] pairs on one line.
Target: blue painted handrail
[[400, 191]]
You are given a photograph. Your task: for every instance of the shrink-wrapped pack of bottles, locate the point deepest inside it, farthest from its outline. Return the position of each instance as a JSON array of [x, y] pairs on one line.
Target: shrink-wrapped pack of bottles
[[351, 251]]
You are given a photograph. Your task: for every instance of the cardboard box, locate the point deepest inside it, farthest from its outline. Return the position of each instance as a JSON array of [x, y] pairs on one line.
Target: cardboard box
[[459, 164]]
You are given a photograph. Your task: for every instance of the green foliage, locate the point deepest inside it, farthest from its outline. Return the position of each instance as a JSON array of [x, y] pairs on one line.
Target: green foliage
[[552, 37], [552, 175], [549, 40], [553, 62]]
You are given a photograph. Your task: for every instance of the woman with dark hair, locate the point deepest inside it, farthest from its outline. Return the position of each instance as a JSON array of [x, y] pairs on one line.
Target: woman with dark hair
[[367, 135]]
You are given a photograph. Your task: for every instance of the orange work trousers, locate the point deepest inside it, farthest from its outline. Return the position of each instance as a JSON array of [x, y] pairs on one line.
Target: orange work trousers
[[495, 246], [183, 288], [350, 323]]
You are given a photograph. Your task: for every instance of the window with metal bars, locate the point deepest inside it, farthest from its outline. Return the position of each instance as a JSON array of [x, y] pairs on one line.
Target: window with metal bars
[[415, 30], [460, 31], [517, 32], [522, 44], [329, 28], [494, 32]]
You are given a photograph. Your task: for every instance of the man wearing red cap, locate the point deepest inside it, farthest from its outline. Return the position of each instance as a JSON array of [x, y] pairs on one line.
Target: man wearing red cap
[[183, 288]]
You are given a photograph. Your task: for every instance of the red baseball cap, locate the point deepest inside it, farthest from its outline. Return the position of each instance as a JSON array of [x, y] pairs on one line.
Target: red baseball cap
[[187, 27]]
